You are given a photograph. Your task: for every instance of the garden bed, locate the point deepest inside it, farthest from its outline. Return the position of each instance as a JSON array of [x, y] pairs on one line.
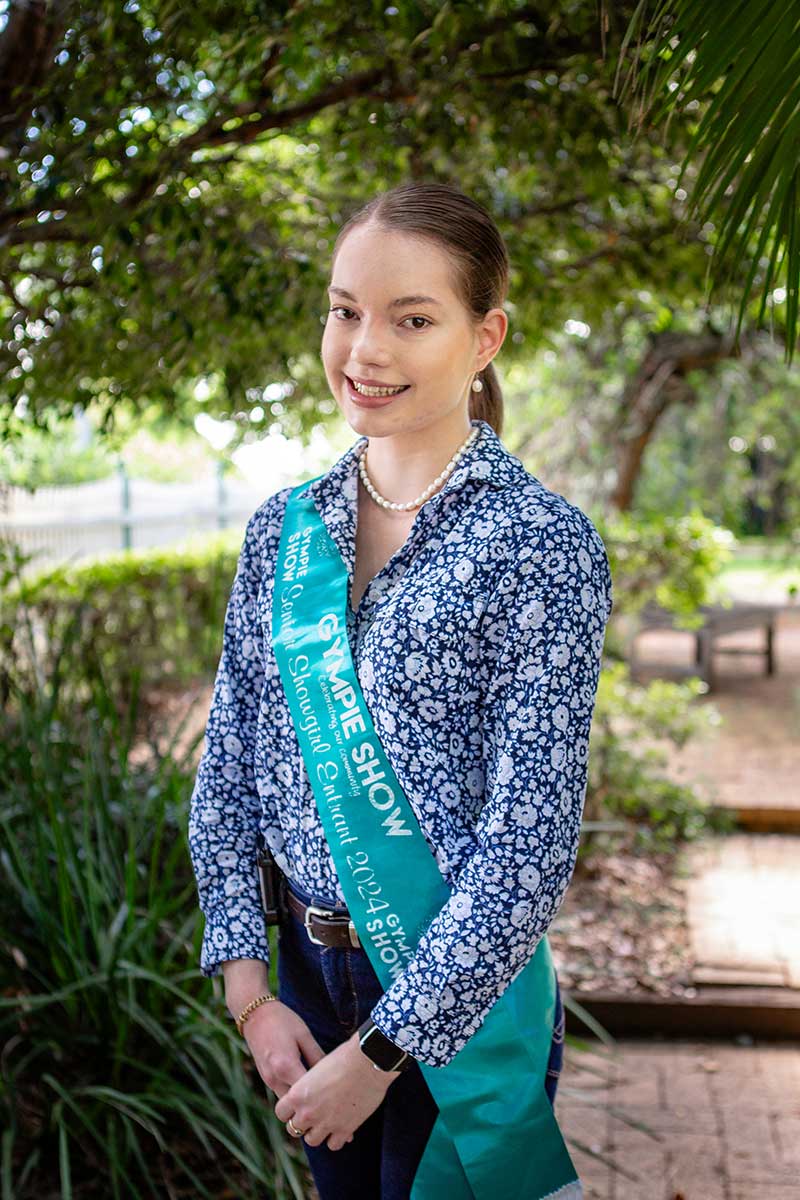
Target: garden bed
[[622, 928]]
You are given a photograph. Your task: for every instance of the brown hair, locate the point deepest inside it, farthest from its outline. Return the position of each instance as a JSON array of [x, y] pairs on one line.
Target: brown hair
[[465, 230]]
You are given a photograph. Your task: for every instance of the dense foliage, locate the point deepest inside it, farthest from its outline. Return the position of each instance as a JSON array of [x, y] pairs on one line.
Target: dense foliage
[[139, 617], [175, 178], [122, 1075]]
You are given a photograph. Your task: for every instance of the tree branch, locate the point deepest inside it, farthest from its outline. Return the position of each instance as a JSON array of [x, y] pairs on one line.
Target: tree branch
[[27, 52]]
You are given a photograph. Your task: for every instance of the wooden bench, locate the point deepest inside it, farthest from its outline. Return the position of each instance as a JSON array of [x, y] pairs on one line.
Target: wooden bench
[[717, 622]]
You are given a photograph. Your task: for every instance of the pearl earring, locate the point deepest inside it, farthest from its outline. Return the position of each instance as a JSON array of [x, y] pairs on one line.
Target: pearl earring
[[477, 385]]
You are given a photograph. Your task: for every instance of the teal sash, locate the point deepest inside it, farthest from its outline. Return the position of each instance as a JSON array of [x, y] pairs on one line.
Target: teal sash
[[496, 1136]]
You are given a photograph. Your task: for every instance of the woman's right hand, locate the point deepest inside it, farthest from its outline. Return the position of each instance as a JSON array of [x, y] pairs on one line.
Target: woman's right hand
[[277, 1037]]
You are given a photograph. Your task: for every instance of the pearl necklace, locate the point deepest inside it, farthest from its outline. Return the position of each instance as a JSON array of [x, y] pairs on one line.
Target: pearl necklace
[[429, 490]]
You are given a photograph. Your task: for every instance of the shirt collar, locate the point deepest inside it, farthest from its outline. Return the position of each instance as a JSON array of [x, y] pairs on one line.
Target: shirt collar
[[486, 460]]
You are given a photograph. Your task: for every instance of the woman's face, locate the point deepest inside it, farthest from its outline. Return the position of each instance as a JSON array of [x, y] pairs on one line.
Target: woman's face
[[431, 346]]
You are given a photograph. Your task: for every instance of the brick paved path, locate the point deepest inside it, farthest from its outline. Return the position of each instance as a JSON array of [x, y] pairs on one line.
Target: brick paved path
[[727, 1120]]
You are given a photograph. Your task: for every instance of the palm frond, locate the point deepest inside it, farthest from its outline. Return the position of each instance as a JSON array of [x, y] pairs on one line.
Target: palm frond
[[738, 64]]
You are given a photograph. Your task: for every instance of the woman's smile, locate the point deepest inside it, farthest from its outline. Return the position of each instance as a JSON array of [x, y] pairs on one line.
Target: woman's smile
[[368, 398]]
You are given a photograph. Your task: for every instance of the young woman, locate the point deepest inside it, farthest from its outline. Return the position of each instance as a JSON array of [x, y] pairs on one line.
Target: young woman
[[401, 714]]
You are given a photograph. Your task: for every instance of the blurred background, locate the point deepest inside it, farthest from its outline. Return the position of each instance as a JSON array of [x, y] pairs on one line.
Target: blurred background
[[172, 181]]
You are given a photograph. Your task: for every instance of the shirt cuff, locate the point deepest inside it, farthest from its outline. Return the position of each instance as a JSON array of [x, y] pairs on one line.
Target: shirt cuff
[[228, 935], [393, 1024], [386, 1031]]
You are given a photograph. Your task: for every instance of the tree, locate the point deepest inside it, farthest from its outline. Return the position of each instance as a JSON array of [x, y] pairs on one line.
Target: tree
[[174, 178]]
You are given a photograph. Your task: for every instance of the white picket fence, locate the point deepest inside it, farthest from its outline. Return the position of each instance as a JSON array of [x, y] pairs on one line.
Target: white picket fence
[[58, 524]]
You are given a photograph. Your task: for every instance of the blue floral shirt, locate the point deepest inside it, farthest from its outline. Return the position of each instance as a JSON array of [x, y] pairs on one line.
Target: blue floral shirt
[[478, 649]]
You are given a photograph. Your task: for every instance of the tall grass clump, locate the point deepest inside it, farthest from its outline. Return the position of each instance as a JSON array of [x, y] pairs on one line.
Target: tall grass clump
[[121, 1073]]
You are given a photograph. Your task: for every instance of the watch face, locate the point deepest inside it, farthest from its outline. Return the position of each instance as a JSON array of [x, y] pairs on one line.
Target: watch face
[[382, 1052]]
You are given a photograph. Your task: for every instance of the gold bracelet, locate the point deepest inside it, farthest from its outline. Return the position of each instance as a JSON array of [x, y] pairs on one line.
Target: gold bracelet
[[251, 1007]]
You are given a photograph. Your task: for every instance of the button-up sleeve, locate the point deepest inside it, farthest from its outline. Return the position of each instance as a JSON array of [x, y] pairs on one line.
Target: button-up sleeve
[[548, 617], [225, 806]]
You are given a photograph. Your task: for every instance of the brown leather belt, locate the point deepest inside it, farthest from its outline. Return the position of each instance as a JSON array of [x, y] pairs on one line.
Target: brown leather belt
[[323, 926]]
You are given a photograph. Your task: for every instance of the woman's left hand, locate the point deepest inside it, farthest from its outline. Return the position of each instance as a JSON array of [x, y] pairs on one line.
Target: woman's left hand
[[335, 1096]]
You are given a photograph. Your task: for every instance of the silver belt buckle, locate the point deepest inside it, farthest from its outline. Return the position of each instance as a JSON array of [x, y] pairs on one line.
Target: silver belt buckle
[[313, 910]]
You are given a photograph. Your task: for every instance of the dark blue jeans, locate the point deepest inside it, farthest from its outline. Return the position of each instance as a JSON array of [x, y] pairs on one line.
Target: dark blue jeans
[[334, 989]]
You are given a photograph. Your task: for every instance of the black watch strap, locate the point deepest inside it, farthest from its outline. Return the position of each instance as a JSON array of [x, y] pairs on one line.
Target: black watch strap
[[385, 1055]]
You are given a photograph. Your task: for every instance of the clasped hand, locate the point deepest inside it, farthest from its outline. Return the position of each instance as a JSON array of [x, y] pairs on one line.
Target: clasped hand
[[335, 1096]]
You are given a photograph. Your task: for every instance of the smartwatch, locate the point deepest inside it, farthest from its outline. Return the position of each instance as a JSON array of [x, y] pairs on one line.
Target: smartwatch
[[383, 1052]]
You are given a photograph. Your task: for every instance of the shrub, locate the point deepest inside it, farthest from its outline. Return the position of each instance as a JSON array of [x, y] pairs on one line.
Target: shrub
[[154, 614], [121, 1073], [626, 778]]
